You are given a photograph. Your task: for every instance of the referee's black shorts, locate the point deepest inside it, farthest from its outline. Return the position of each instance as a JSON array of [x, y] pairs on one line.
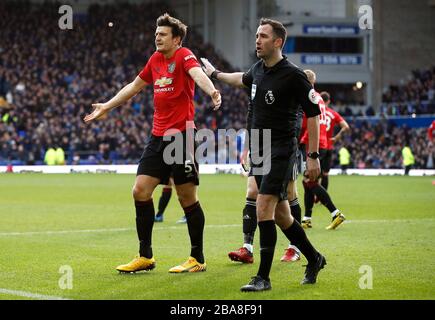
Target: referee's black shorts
[[152, 162], [282, 166]]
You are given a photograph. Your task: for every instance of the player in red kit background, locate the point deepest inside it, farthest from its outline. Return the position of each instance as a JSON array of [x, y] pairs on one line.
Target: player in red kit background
[[332, 118], [173, 71], [430, 131], [313, 188]]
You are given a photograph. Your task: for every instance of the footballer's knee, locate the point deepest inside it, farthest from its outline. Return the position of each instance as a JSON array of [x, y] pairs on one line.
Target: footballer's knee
[[187, 195], [141, 192]]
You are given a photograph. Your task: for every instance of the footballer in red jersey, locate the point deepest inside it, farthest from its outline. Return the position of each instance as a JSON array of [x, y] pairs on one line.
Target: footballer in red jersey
[[172, 71], [312, 188], [323, 144], [332, 118]]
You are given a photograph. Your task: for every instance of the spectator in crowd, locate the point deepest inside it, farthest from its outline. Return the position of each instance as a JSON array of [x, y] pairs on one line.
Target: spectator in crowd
[[50, 157], [407, 158], [344, 158]]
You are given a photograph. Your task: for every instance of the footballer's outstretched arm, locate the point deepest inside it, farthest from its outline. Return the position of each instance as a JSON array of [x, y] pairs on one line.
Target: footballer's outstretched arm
[[233, 79], [125, 94], [206, 85]]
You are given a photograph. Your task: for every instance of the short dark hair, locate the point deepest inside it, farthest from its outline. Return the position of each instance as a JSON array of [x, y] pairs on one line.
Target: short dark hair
[[325, 96], [278, 28], [178, 28]]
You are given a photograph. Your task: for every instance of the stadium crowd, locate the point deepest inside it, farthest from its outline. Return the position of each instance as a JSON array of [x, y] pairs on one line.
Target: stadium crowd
[[379, 145], [49, 78], [52, 77]]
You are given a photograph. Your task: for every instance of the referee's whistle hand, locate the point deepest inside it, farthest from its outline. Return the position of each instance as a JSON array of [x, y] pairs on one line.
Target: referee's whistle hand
[[313, 168]]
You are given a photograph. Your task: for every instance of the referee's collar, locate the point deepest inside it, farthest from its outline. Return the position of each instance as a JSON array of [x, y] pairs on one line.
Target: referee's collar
[[278, 65]]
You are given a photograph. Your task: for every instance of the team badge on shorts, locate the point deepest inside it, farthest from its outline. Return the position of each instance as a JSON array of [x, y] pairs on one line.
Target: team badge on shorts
[[171, 67], [269, 97]]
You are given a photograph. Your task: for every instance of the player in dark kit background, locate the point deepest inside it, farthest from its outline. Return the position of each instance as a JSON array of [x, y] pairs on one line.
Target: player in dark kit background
[[173, 71], [277, 89]]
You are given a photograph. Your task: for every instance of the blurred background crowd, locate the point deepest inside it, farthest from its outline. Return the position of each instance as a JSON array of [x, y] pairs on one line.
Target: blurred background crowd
[[49, 79]]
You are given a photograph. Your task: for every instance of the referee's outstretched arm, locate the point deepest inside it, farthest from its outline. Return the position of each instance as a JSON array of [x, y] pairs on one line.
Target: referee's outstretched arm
[[233, 79]]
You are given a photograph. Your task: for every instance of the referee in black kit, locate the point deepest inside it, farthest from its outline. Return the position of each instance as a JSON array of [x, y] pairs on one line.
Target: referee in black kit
[[278, 88]]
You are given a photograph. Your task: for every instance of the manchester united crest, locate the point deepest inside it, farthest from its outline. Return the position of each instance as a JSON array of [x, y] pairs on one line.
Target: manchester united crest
[[171, 67]]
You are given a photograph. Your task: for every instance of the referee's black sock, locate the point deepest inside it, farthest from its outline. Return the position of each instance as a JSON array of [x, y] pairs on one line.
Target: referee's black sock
[[195, 224], [267, 247], [325, 181], [249, 221], [296, 234], [144, 226], [164, 200], [295, 209]]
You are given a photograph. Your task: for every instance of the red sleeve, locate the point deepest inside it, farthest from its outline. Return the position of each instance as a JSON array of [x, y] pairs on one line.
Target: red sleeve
[[430, 131], [303, 137], [338, 117], [146, 74], [189, 59]]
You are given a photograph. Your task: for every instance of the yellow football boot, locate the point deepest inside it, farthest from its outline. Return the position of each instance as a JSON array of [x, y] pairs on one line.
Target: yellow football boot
[[306, 224], [338, 219], [138, 264], [191, 265]]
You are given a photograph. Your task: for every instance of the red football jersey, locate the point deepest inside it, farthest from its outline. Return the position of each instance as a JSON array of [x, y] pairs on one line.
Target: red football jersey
[[173, 89], [333, 118], [322, 121]]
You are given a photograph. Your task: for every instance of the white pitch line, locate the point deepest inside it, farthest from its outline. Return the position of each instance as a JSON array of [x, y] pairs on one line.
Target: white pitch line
[[30, 295], [390, 220], [31, 233]]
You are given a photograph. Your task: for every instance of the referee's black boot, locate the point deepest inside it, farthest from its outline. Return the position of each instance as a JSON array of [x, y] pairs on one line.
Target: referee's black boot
[[257, 284], [313, 269]]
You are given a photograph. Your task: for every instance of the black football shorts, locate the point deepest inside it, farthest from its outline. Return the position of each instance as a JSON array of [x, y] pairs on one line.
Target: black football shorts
[[282, 170], [152, 162]]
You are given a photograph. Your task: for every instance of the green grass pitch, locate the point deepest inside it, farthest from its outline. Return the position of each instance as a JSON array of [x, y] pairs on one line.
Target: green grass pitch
[[87, 222]]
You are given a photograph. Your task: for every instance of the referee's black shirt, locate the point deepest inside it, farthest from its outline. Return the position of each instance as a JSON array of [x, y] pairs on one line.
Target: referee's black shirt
[[276, 94]]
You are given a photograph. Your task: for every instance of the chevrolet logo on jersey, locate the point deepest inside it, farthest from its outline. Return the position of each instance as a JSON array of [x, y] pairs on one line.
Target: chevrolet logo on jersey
[[163, 82]]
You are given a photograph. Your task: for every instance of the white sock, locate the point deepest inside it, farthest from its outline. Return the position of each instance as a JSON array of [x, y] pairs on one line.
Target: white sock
[[248, 246], [335, 212], [306, 218]]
